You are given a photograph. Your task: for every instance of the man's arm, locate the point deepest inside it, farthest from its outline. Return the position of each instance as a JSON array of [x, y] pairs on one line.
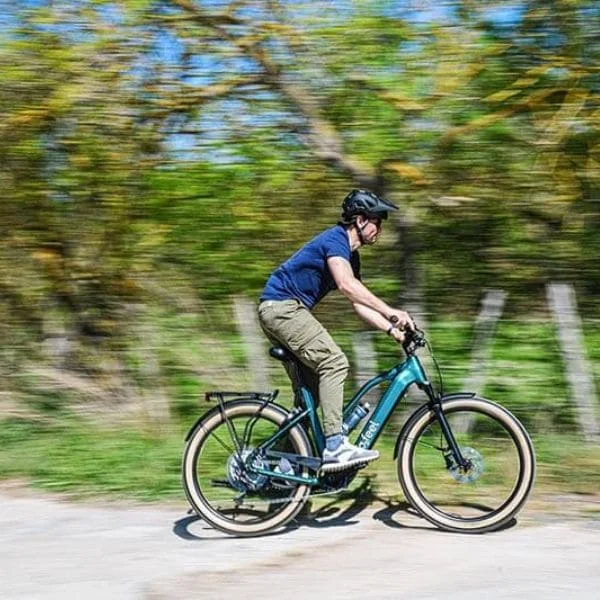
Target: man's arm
[[373, 318], [358, 293]]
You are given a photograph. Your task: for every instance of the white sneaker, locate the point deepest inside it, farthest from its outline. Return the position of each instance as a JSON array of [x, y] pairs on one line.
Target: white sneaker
[[346, 455]]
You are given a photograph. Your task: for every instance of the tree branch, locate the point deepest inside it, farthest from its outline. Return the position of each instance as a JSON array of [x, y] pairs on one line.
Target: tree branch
[[323, 139], [182, 101], [531, 103]]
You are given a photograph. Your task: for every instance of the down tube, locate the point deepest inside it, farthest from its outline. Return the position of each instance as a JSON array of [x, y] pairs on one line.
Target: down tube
[[410, 372]]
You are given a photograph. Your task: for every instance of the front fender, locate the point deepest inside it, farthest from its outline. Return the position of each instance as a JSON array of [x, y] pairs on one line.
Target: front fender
[[444, 398]]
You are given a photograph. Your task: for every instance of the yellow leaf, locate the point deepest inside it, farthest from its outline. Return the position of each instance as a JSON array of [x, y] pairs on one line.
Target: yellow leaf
[[524, 82], [409, 172], [502, 95], [530, 78], [594, 119], [28, 116], [402, 102], [45, 255]]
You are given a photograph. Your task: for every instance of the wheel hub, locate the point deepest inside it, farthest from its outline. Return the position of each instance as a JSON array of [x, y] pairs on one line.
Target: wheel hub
[[238, 475], [474, 469]]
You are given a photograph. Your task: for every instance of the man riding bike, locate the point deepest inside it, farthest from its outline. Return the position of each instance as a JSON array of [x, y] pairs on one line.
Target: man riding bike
[[329, 261]]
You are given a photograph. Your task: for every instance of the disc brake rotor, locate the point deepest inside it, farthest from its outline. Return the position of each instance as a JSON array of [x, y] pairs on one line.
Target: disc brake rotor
[[473, 471], [238, 475]]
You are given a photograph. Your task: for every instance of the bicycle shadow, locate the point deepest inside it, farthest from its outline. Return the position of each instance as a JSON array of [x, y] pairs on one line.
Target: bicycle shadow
[[336, 513], [392, 516], [342, 511], [181, 528]]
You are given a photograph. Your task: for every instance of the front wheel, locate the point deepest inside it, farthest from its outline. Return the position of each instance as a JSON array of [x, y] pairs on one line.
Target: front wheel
[[500, 473]]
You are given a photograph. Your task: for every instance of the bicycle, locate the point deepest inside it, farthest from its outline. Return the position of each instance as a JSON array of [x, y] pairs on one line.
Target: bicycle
[[466, 464]]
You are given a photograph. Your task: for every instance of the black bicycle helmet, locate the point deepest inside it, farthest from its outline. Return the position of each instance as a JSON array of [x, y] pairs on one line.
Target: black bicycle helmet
[[363, 202]]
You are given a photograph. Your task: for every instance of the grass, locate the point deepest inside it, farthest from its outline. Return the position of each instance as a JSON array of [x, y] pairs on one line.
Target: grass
[[57, 450], [85, 460]]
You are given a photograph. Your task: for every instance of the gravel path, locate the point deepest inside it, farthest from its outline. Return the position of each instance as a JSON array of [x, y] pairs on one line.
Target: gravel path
[[53, 549]]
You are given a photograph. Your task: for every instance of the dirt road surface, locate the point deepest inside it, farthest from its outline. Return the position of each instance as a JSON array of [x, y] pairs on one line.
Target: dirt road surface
[[53, 549]]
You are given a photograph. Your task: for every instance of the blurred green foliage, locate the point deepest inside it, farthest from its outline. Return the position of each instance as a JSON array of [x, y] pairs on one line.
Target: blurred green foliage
[[159, 157], [212, 139]]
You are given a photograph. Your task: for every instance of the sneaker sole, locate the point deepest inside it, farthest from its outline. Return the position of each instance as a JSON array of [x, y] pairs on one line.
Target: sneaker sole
[[333, 467]]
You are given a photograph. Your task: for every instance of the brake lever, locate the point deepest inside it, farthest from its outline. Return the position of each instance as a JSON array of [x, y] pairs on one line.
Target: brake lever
[[413, 339]]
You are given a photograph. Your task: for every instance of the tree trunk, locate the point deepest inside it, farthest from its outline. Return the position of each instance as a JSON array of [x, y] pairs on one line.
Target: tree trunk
[[411, 275]]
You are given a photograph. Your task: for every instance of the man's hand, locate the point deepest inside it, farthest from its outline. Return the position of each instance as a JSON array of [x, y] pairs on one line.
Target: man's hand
[[397, 334], [402, 319]]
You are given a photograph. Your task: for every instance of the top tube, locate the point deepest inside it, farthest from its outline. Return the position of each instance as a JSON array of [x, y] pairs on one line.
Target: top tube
[[411, 366], [402, 376]]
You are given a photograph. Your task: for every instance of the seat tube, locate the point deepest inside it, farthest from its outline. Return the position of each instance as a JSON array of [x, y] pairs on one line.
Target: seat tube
[[313, 417]]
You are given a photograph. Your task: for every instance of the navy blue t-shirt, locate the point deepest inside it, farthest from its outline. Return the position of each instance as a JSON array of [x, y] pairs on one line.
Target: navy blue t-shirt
[[305, 276]]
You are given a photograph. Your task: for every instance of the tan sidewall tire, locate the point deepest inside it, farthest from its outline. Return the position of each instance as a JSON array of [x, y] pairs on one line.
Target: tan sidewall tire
[[241, 408], [414, 428]]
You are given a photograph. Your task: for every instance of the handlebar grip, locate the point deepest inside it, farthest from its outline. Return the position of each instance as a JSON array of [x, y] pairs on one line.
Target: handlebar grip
[[394, 320], [413, 338]]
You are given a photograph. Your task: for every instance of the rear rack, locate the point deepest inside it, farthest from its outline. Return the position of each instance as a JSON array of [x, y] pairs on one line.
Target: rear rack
[[263, 396]]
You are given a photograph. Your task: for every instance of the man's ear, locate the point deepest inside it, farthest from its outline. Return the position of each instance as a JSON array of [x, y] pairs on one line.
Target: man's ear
[[361, 220]]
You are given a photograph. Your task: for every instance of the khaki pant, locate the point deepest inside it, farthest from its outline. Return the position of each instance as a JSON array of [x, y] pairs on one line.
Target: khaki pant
[[324, 366]]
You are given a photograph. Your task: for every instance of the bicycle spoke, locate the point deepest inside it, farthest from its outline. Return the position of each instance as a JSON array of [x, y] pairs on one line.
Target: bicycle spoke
[[234, 436], [223, 444], [485, 486], [224, 479]]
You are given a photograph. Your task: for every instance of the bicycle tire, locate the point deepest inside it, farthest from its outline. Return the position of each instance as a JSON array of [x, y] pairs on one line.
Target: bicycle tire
[[192, 469], [499, 430]]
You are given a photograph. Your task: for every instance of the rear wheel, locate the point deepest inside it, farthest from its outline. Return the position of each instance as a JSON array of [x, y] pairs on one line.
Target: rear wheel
[[498, 479], [217, 469]]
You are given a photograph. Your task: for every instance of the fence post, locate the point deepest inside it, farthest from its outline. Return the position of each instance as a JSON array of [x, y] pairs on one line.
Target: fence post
[[485, 327], [254, 342], [562, 301], [365, 359]]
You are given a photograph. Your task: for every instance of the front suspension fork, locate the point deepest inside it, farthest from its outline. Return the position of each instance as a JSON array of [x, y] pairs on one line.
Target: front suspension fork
[[436, 405]]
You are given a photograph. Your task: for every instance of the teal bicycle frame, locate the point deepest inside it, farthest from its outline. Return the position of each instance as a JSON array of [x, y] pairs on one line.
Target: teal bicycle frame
[[401, 377]]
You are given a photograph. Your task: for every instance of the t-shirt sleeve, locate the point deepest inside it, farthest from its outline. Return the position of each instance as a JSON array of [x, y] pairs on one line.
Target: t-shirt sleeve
[[337, 246]]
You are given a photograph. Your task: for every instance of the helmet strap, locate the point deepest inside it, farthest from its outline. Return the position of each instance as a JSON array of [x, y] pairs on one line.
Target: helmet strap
[[359, 230]]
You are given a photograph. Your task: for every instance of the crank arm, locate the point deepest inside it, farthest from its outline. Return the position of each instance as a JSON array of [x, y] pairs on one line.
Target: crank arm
[[302, 461]]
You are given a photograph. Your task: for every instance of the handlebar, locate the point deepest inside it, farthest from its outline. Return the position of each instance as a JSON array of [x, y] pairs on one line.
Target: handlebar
[[412, 339]]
